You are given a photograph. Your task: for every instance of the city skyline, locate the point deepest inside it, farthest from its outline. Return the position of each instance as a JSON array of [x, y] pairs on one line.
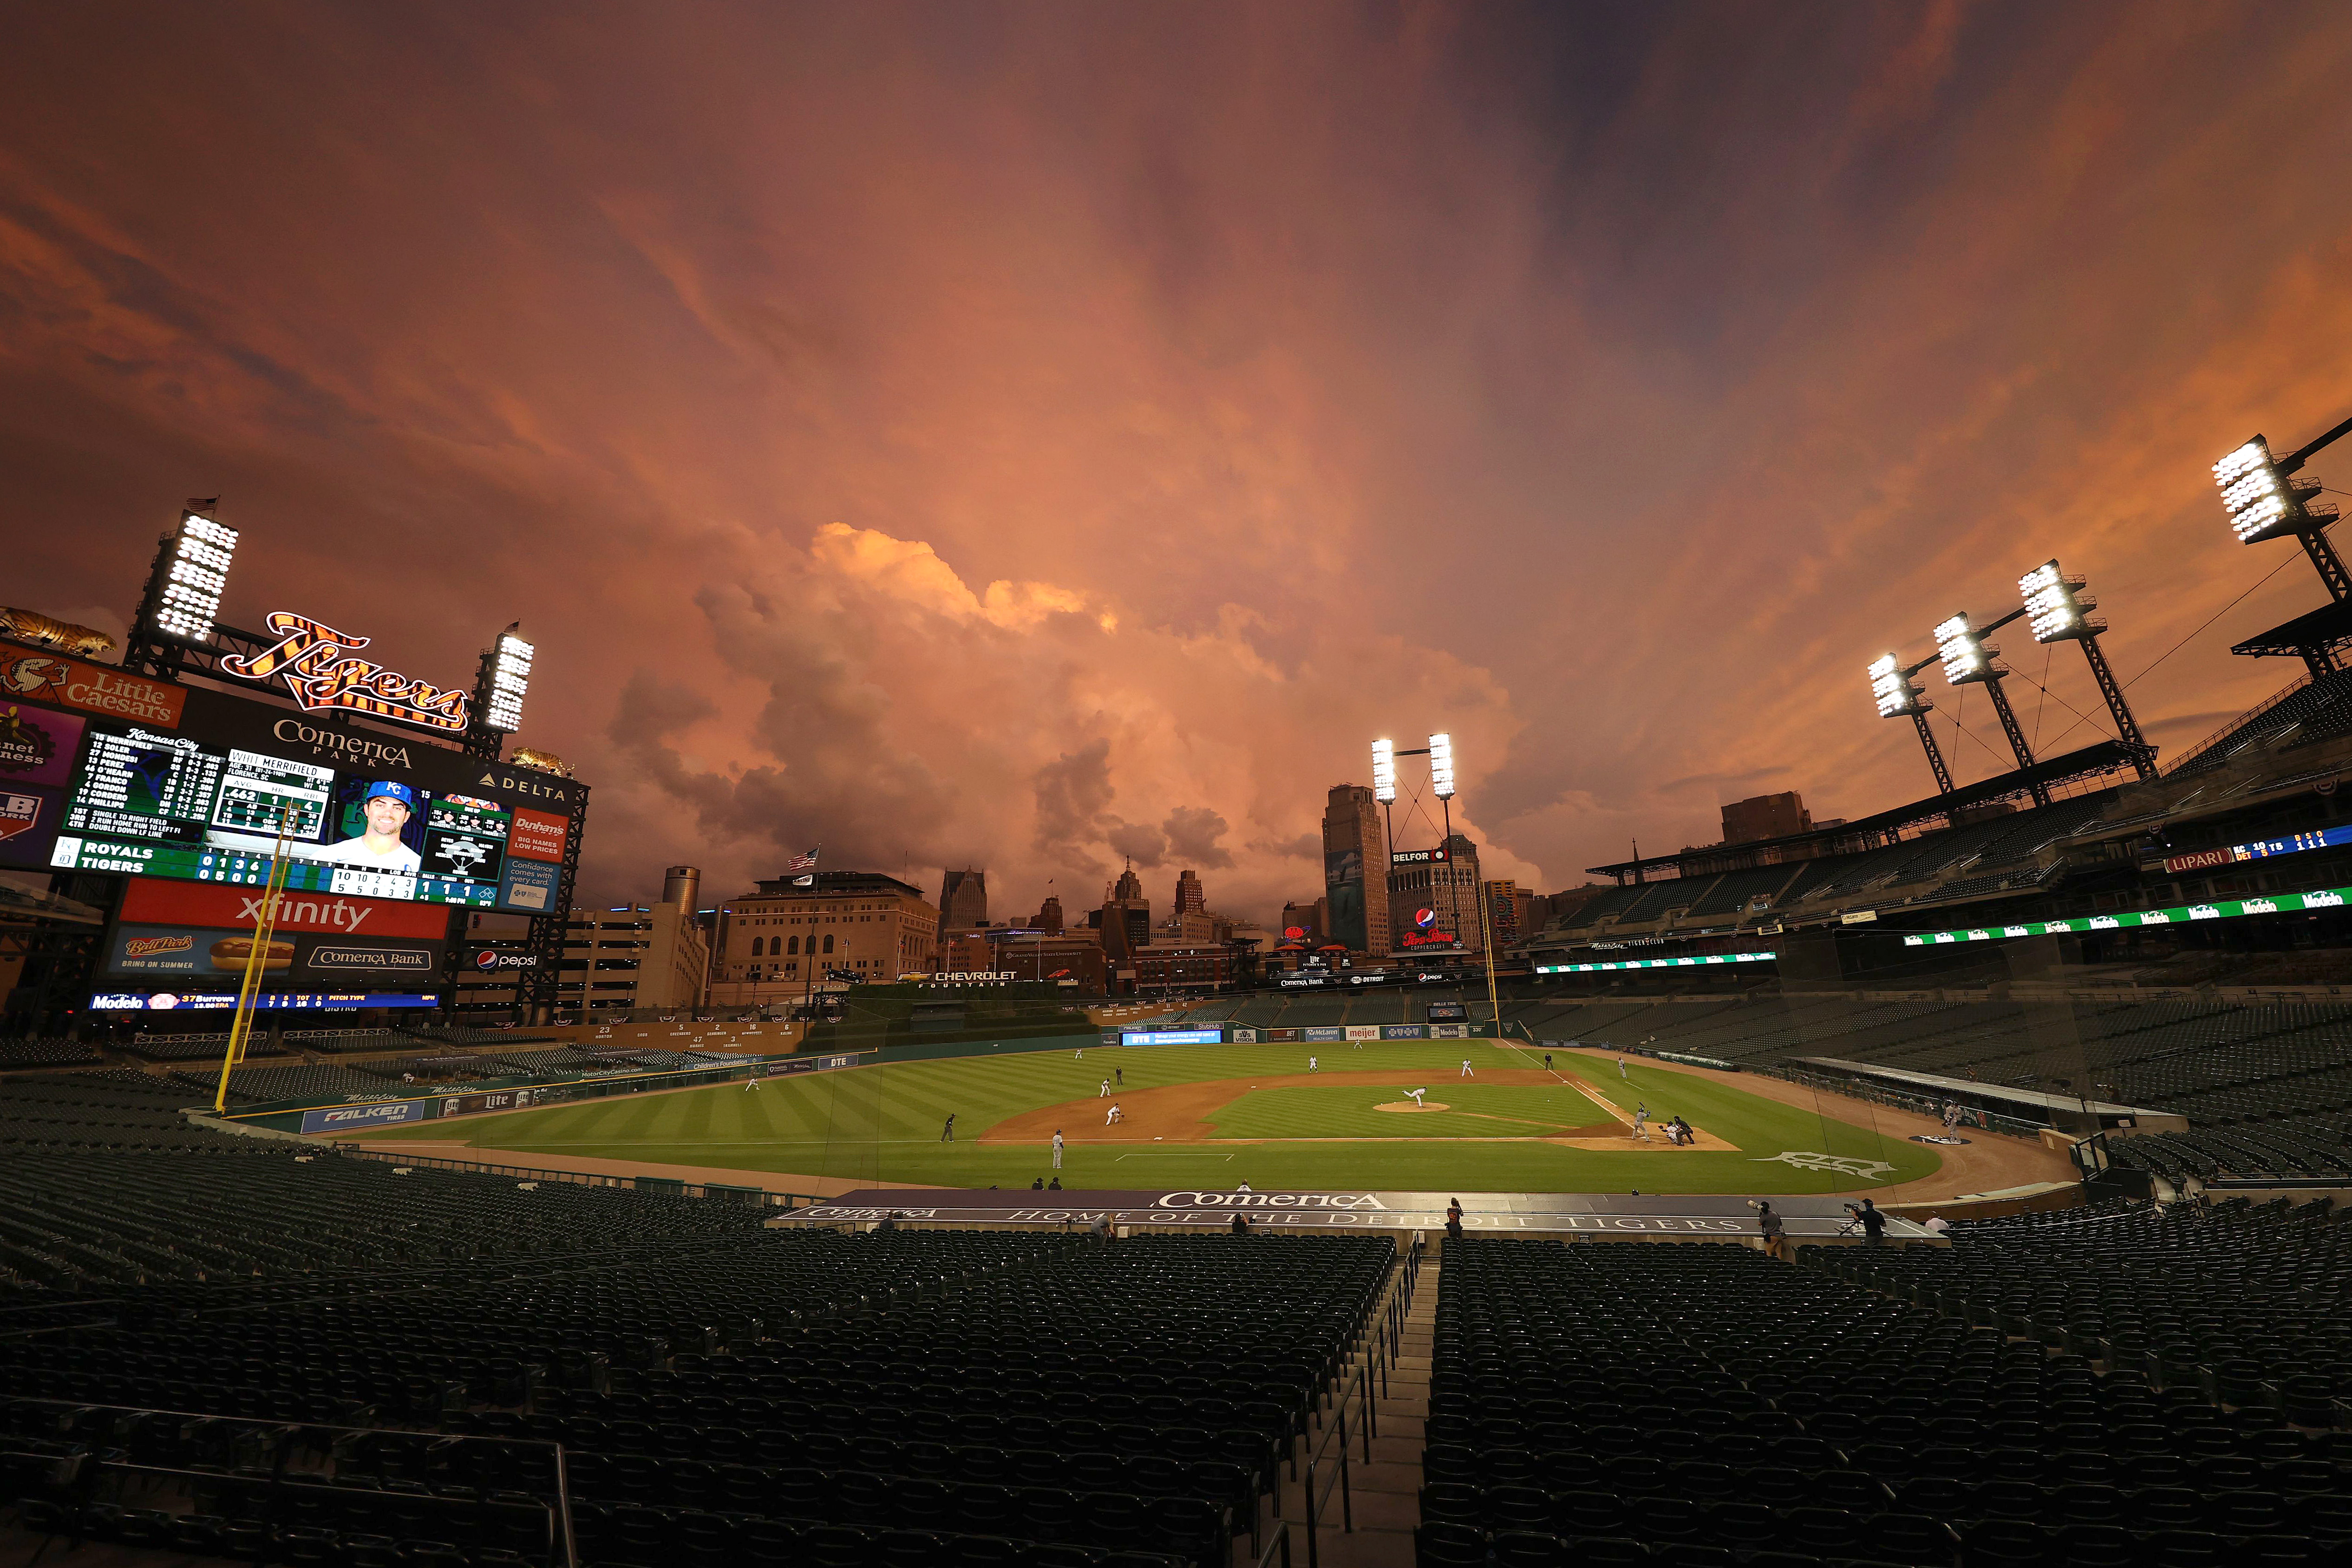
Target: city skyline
[[1034, 444]]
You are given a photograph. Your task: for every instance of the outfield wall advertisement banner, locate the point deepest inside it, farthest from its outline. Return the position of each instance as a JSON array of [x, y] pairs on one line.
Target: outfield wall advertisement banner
[[1363, 1031], [1404, 1031], [490, 1099], [1322, 1034], [357, 1118], [1171, 1036]]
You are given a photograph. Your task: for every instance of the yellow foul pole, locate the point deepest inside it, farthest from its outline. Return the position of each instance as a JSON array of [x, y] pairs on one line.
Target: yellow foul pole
[[1486, 940], [240, 1028]]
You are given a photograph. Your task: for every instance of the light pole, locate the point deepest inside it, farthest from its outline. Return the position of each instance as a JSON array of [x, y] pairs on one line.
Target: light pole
[[2268, 498], [1969, 660], [1898, 698], [2057, 610]]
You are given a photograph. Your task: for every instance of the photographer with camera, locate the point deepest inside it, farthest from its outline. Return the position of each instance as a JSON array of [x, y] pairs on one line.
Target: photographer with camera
[[1776, 1237], [1873, 1223]]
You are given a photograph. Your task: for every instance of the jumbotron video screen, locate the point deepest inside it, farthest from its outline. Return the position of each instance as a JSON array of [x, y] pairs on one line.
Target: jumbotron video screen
[[369, 818]]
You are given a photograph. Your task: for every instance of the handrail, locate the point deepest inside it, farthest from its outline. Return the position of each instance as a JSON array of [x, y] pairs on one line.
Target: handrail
[[1381, 1340], [1338, 1429], [2235, 725]]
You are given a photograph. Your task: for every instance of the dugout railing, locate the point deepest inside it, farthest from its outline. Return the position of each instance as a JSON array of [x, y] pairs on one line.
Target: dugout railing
[[1901, 1100]]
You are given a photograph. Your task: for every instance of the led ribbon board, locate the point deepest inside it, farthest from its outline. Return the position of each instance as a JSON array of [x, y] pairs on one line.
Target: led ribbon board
[[1656, 962], [309, 658], [2261, 849], [2219, 910]]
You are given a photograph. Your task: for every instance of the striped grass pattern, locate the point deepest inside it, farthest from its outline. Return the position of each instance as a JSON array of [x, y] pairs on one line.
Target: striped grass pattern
[[883, 1123]]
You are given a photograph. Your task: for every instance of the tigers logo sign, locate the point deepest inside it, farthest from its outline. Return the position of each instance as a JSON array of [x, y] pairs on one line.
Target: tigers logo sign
[[313, 659]]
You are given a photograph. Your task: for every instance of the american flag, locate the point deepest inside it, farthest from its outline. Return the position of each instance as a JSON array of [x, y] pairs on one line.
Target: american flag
[[803, 862]]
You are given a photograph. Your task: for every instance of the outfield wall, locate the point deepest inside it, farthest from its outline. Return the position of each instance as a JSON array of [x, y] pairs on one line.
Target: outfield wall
[[1313, 1034], [315, 1116]]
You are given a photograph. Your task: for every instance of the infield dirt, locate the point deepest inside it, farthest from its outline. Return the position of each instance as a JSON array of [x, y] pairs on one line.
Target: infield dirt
[[1179, 1112]]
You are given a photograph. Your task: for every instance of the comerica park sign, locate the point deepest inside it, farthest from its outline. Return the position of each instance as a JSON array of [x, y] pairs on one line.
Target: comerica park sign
[[313, 659]]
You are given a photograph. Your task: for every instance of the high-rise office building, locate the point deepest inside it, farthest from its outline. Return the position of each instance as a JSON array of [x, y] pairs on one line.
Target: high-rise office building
[[1190, 897], [1356, 870], [963, 899], [1444, 881], [1049, 915]]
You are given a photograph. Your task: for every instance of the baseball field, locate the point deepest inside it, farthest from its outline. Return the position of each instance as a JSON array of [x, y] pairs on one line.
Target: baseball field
[[1215, 1116]]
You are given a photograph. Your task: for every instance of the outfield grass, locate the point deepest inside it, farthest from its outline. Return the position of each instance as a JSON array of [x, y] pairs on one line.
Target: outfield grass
[[882, 1124]]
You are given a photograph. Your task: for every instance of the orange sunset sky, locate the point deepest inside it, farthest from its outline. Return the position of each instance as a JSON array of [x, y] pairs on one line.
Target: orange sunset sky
[[1031, 435]]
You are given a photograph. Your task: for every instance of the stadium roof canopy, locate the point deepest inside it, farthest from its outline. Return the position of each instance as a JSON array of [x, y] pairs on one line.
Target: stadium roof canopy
[[2329, 626], [2104, 756]]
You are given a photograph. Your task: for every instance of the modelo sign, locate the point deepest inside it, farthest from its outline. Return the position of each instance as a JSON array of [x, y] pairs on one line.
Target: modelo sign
[[355, 1118]]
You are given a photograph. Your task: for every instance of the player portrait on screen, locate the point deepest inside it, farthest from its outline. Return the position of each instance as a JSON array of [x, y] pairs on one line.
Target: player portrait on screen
[[386, 809]]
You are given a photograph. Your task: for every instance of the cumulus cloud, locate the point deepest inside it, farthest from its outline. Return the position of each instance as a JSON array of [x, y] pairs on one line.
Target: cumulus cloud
[[1192, 833]]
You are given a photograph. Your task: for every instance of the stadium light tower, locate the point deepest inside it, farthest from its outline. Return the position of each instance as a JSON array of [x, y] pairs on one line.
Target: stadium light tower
[[1384, 785], [500, 687], [2267, 497], [1441, 775], [181, 603], [1969, 660], [2057, 610], [1891, 684]]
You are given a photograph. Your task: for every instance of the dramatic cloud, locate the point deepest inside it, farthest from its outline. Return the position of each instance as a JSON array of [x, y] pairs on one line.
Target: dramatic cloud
[[1033, 437]]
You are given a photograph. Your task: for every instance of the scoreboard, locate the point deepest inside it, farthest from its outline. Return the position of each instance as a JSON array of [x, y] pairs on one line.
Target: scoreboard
[[365, 813]]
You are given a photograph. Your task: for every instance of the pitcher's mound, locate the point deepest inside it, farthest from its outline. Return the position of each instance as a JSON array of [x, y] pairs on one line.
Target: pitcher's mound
[[1408, 1107]]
